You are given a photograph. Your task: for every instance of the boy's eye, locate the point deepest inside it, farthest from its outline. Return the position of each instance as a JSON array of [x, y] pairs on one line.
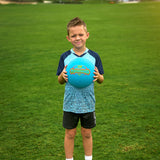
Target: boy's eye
[[73, 36]]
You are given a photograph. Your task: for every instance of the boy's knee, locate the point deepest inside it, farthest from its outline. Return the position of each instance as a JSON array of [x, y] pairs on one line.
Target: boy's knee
[[86, 133], [70, 134]]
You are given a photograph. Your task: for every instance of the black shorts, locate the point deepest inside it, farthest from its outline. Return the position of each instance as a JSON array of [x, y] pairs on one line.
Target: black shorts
[[70, 120]]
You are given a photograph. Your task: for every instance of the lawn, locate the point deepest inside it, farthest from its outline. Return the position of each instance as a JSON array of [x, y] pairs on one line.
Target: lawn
[[32, 38]]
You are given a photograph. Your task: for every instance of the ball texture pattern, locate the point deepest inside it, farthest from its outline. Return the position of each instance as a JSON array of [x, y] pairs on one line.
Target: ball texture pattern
[[80, 72]]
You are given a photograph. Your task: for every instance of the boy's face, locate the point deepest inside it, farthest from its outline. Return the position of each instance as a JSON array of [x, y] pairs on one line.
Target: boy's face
[[78, 36]]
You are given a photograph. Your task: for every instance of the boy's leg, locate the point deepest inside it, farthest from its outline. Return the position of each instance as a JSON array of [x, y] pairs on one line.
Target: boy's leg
[[87, 141], [69, 142]]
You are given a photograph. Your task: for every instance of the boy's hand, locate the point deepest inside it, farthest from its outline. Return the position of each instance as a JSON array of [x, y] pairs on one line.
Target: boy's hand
[[96, 73], [64, 74], [62, 78], [98, 77]]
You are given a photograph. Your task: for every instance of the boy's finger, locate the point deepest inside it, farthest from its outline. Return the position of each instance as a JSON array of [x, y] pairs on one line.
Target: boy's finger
[[65, 71], [65, 67], [95, 80], [95, 68]]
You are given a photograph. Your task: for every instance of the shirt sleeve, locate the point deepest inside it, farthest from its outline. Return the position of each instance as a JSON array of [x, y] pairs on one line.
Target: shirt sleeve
[[61, 62], [60, 65], [99, 64]]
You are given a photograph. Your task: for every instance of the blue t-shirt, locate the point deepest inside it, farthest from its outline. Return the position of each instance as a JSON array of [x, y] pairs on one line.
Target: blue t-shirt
[[79, 100]]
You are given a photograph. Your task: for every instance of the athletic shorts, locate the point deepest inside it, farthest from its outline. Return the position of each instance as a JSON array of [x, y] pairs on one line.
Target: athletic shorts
[[70, 120]]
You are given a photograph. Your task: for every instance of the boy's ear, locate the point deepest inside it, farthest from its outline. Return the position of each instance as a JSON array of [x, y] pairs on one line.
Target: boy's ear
[[87, 35], [68, 38]]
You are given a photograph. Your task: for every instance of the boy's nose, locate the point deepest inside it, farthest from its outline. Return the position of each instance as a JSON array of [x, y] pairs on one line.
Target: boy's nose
[[77, 37]]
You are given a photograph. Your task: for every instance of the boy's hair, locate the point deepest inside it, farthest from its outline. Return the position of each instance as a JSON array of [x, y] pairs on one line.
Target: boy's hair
[[76, 22]]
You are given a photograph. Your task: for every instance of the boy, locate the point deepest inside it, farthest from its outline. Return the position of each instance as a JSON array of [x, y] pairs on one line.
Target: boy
[[78, 103]]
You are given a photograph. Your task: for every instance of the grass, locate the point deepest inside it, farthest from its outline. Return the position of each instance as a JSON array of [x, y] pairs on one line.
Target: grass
[[32, 38]]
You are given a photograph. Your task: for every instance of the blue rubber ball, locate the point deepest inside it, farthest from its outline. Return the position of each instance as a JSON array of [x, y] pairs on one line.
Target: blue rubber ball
[[80, 72]]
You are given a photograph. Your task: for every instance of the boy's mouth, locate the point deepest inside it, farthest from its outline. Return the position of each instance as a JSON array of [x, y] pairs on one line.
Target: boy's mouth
[[78, 42]]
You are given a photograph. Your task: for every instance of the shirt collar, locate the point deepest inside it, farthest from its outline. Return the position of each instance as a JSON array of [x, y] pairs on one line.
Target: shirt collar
[[82, 54]]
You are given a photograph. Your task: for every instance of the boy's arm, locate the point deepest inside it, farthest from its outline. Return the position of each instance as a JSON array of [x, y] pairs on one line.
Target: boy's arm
[[62, 78], [98, 77]]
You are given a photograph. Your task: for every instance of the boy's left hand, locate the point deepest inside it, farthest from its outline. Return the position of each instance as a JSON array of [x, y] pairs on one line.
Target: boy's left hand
[[96, 73], [98, 77]]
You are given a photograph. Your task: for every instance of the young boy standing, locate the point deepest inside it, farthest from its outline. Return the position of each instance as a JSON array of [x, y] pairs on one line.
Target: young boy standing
[[79, 104]]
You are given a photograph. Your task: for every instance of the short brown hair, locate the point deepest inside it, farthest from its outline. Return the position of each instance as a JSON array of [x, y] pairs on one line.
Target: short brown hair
[[76, 22]]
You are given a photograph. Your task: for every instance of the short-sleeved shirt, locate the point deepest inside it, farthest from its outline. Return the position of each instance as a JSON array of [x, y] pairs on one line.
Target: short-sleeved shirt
[[79, 100]]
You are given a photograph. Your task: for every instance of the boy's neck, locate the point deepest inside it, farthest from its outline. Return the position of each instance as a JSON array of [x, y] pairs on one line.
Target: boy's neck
[[79, 52]]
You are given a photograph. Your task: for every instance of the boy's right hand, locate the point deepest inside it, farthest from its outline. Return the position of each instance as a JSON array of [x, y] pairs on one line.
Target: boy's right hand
[[64, 74], [62, 78]]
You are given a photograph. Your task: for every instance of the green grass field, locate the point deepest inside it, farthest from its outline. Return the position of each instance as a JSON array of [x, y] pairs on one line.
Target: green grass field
[[32, 38]]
